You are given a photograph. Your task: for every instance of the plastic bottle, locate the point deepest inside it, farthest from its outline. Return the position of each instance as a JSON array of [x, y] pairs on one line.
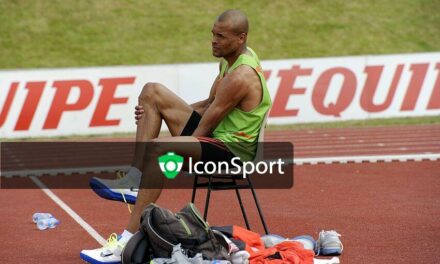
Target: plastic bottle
[[38, 216], [45, 223]]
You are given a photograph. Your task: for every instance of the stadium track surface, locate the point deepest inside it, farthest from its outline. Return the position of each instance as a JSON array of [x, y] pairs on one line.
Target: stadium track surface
[[386, 212]]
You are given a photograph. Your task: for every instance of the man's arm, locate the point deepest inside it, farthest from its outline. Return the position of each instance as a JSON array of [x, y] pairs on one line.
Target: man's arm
[[232, 89], [201, 106]]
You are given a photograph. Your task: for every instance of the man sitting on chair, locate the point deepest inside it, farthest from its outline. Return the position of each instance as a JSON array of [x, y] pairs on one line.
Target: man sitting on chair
[[233, 112]]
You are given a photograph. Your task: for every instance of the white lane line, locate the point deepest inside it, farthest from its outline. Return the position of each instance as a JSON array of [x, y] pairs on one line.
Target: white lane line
[[358, 131], [370, 159], [365, 151], [69, 211], [366, 145], [354, 136], [297, 161], [65, 171]]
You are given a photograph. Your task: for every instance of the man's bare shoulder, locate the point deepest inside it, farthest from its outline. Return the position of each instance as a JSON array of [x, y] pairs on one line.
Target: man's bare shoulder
[[240, 84], [244, 74]]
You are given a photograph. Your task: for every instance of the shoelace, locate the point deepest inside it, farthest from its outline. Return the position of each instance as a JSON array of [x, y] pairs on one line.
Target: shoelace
[[111, 241], [121, 175], [113, 245]]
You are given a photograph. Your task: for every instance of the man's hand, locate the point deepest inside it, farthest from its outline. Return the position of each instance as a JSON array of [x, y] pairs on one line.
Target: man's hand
[[138, 113]]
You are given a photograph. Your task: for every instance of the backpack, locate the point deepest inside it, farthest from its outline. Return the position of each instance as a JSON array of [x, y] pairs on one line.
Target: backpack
[[161, 230]]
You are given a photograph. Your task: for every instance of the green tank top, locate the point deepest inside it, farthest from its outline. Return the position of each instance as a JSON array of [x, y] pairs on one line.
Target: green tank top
[[239, 129]]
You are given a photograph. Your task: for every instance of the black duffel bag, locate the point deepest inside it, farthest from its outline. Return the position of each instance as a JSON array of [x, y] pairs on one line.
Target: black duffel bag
[[161, 230]]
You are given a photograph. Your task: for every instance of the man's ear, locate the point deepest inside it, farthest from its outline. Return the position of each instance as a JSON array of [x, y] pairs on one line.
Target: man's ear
[[242, 38]]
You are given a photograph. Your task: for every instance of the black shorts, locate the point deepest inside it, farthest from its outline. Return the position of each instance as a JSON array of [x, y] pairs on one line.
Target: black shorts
[[212, 149]]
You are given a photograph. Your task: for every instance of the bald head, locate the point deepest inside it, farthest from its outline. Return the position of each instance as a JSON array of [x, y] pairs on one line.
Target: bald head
[[229, 34], [237, 20]]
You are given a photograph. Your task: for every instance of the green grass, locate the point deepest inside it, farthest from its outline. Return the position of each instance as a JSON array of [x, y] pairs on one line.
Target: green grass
[[362, 123], [61, 33], [305, 126]]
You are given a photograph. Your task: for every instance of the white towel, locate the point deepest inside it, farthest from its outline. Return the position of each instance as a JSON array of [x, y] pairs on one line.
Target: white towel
[[334, 260]]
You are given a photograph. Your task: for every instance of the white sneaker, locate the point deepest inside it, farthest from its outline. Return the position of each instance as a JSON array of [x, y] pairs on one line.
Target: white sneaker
[[109, 254], [328, 243], [124, 189]]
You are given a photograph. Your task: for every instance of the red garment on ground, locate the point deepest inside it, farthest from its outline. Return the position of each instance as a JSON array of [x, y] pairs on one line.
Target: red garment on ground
[[253, 240], [290, 252]]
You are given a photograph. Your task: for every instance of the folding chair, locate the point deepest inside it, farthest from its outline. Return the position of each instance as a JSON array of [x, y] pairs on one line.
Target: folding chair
[[225, 181]]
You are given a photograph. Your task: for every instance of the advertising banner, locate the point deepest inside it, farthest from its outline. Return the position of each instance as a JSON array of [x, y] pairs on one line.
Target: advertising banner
[[100, 100]]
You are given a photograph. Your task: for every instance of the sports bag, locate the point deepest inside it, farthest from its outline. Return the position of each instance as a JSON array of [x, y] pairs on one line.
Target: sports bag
[[161, 230], [137, 250]]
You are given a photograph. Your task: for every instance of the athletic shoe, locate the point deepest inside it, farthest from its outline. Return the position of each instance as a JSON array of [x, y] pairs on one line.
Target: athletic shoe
[[109, 254], [328, 243], [308, 241], [124, 189]]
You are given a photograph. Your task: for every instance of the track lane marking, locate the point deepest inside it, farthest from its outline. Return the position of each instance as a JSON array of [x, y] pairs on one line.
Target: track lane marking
[[69, 211], [369, 158], [297, 161]]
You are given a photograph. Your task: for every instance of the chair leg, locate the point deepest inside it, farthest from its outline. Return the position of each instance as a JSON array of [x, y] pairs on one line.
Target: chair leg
[[208, 196], [242, 209], [193, 197], [258, 206]]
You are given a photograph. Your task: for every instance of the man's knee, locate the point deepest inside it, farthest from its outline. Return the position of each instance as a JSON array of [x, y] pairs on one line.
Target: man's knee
[[150, 92]]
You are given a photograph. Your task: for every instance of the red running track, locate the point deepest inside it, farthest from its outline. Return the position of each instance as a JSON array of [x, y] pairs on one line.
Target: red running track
[[400, 139], [386, 212], [332, 142], [415, 139]]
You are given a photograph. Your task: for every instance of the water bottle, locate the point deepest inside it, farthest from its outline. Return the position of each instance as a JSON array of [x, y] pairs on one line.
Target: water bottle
[[45, 223], [38, 216]]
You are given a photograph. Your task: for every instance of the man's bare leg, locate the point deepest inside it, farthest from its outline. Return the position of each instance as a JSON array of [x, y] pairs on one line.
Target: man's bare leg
[[158, 103], [150, 189], [152, 175]]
